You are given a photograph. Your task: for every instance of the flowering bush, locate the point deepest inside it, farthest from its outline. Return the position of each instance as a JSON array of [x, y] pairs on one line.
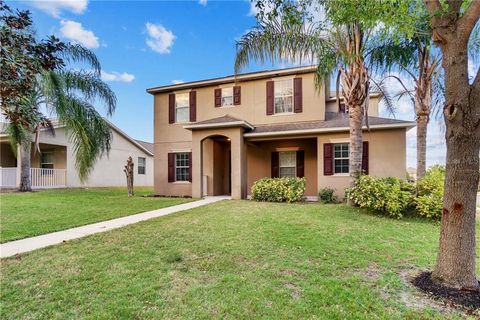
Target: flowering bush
[[388, 196], [429, 199], [279, 189]]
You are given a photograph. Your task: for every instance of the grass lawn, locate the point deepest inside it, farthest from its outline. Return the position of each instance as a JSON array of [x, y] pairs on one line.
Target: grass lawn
[[29, 214], [233, 259]]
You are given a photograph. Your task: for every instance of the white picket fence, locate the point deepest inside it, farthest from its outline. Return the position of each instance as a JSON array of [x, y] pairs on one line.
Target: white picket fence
[[8, 177], [48, 178]]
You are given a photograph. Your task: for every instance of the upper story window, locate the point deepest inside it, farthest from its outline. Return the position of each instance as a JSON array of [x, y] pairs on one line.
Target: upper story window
[[283, 94], [227, 97], [287, 164], [141, 165], [182, 108], [341, 158]]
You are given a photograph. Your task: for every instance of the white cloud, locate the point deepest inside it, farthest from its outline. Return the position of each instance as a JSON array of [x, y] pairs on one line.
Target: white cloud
[[117, 76], [75, 32], [159, 39], [203, 2], [177, 81], [55, 7]]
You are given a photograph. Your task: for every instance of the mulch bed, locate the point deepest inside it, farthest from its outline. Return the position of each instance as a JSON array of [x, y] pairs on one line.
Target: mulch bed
[[453, 297]]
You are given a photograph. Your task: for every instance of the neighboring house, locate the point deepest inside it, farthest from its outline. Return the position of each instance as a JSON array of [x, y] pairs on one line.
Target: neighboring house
[[54, 166], [218, 136]]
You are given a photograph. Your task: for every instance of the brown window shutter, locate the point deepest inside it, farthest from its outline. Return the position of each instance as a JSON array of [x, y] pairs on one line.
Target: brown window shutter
[[193, 106], [275, 165], [365, 157], [218, 98], [171, 167], [342, 107], [237, 95], [297, 95], [171, 108], [300, 164], [328, 159], [190, 166], [270, 98]]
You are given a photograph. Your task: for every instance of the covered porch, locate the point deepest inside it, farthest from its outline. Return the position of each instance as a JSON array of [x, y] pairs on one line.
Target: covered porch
[[48, 167]]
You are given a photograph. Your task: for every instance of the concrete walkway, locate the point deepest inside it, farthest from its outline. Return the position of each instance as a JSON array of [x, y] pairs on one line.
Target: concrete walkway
[[9, 249]]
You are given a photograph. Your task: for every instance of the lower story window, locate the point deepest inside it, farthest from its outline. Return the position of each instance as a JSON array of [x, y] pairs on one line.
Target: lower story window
[[141, 165], [46, 160], [287, 162], [341, 160], [182, 167]]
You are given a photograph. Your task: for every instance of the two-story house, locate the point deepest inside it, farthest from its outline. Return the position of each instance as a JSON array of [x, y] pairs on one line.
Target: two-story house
[[218, 136]]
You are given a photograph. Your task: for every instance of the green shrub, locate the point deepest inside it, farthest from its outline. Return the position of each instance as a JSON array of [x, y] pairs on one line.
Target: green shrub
[[279, 189], [388, 196], [327, 195], [429, 199]]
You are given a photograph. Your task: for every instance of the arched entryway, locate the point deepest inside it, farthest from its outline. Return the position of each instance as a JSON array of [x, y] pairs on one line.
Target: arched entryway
[[216, 165]]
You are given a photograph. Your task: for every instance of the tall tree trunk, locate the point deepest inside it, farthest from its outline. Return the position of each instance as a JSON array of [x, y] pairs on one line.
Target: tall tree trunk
[[356, 142], [456, 257], [355, 86], [25, 156], [422, 122]]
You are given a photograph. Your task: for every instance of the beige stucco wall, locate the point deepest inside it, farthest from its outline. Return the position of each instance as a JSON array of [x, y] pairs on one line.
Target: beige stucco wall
[[387, 156], [238, 160], [259, 160], [161, 185], [373, 106], [251, 109], [108, 170]]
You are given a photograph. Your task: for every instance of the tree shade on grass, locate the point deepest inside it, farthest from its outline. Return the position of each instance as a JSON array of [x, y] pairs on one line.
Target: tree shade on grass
[[233, 259], [31, 214]]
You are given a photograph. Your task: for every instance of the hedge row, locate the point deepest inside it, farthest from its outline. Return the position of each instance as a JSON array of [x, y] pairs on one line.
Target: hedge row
[[395, 197]]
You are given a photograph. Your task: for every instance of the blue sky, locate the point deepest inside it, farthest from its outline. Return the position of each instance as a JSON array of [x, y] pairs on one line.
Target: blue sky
[[143, 44]]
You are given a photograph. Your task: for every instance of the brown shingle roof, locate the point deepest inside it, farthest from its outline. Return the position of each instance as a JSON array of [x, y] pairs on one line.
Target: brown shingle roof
[[332, 121], [146, 145], [224, 119]]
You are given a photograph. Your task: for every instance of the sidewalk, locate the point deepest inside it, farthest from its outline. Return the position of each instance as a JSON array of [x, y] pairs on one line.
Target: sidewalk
[[9, 249]]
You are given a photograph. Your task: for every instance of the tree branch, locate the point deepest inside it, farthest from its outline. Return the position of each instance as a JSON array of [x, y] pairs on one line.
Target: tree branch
[[433, 6], [469, 19]]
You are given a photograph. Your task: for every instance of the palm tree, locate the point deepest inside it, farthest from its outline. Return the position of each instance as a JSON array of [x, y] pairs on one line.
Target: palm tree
[[417, 59], [68, 95], [341, 50]]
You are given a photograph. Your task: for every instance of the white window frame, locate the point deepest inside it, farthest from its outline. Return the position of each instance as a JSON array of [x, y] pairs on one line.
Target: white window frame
[[144, 165], [223, 95], [177, 107], [341, 157], [280, 166], [282, 95], [187, 179]]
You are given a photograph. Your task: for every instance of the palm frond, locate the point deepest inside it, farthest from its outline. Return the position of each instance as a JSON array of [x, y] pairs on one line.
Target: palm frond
[[86, 84], [17, 134], [79, 54], [385, 96], [90, 133], [278, 40]]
